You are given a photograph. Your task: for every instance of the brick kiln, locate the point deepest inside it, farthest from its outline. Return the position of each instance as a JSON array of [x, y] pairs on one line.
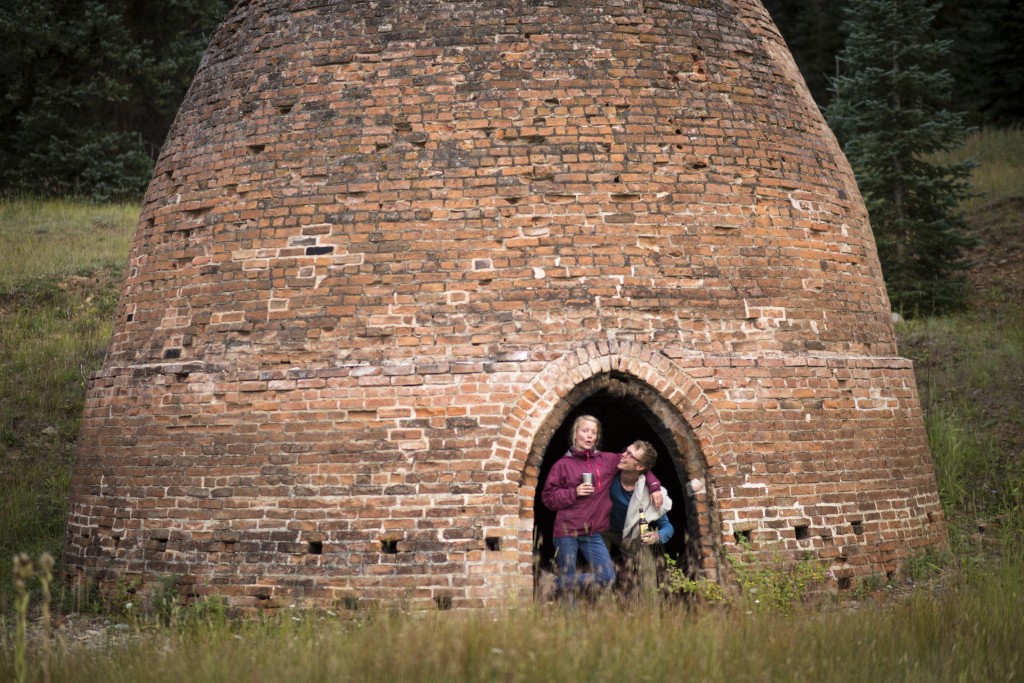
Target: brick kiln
[[392, 248]]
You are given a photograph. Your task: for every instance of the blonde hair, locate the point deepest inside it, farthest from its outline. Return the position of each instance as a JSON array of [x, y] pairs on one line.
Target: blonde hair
[[576, 424]]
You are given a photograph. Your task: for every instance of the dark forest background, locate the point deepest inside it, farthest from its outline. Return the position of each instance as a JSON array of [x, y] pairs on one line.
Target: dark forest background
[[986, 57], [91, 87]]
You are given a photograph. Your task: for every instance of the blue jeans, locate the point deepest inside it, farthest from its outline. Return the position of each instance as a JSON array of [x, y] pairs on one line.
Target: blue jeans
[[593, 549]]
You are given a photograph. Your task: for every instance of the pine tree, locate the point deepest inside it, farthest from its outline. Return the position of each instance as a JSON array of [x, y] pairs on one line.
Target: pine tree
[[986, 59], [91, 88], [888, 113]]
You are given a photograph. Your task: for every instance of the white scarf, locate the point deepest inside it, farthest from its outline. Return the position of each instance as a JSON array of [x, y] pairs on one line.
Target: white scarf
[[642, 499]]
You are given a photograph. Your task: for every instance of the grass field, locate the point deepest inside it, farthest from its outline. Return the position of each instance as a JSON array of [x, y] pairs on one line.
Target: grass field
[[60, 269], [970, 635]]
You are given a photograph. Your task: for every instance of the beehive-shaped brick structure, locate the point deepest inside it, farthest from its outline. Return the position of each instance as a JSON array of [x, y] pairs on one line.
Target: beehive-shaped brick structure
[[391, 248]]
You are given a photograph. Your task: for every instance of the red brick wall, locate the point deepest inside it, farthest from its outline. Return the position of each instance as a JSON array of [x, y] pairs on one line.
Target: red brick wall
[[388, 247]]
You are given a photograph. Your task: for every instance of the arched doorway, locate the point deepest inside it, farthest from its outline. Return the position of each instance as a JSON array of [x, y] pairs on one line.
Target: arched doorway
[[628, 409]]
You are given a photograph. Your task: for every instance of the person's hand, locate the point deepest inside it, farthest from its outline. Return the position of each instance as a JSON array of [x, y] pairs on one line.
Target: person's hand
[[650, 538], [584, 489], [657, 500]]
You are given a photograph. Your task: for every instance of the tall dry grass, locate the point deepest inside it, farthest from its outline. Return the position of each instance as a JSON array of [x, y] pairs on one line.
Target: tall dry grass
[[966, 635]]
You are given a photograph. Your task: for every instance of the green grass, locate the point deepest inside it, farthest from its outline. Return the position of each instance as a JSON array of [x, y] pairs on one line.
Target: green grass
[[56, 238], [970, 367], [970, 634], [1000, 172], [60, 266]]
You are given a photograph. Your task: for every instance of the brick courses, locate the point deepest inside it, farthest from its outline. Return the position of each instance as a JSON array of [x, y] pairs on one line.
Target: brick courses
[[390, 246]]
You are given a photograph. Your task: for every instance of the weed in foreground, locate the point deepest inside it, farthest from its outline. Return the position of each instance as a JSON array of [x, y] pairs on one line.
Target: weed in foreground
[[776, 584]]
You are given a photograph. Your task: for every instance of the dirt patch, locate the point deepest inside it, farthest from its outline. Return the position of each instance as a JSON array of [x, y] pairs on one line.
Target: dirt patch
[[997, 263]]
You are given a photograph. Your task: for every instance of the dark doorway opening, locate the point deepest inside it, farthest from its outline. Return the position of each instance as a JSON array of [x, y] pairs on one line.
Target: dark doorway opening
[[624, 419]]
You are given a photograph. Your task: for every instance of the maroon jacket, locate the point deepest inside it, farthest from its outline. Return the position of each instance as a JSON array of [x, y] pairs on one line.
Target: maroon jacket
[[582, 516]]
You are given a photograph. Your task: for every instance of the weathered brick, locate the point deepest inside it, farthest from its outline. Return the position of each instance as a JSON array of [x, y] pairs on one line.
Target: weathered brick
[[374, 276]]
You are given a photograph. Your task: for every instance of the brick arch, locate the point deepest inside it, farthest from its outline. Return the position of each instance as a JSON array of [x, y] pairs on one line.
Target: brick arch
[[691, 423]]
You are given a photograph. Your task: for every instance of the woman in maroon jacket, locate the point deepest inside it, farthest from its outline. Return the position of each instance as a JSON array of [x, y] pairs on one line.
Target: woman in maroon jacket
[[582, 509]]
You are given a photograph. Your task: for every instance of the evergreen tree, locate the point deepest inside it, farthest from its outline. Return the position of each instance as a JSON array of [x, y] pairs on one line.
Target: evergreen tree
[[889, 114], [92, 89], [987, 58]]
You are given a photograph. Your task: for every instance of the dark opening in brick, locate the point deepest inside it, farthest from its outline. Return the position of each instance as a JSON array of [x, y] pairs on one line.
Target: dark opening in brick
[[172, 353], [745, 536], [389, 546], [316, 547], [314, 251], [493, 543], [845, 583], [256, 149], [285, 108], [350, 603], [161, 545], [131, 316], [858, 527], [890, 577], [931, 518], [443, 602], [802, 532]]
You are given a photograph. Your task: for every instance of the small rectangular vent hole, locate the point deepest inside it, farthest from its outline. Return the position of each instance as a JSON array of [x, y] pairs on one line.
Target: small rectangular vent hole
[[444, 602], [493, 543], [743, 537], [858, 528], [802, 531], [389, 547], [316, 547], [845, 583]]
